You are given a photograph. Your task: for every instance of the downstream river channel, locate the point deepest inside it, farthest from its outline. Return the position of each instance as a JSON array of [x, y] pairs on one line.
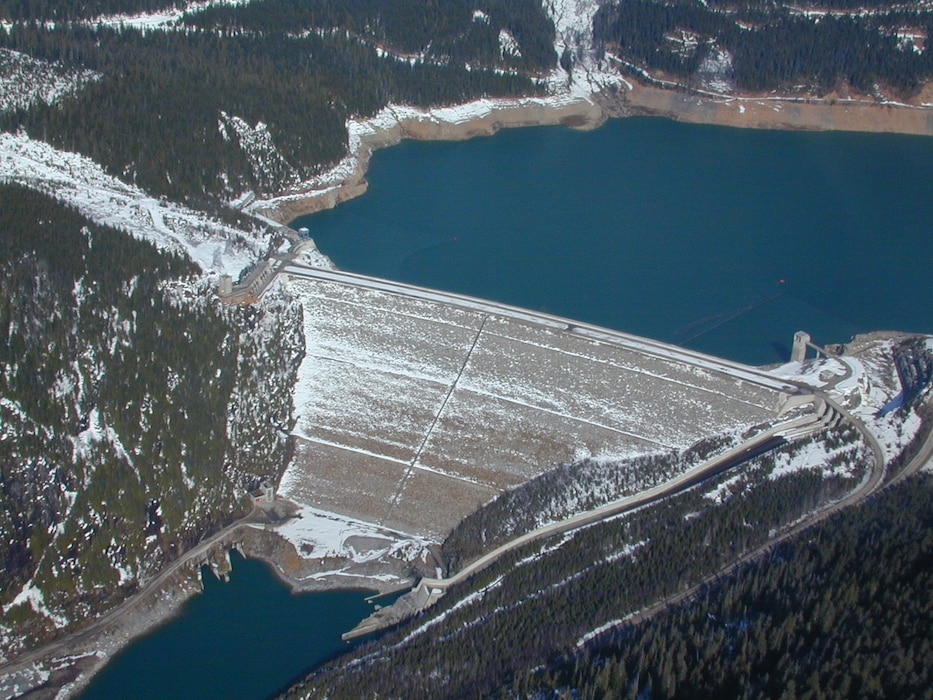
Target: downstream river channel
[[722, 240]]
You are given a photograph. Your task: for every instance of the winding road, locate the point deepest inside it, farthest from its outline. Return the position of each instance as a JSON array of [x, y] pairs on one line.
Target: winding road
[[429, 590]]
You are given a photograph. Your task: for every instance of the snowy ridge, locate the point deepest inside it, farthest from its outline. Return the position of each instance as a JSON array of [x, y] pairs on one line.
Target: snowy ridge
[[81, 183]]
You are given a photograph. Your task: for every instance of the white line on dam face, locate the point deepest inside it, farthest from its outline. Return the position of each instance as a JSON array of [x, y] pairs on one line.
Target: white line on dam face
[[414, 407]]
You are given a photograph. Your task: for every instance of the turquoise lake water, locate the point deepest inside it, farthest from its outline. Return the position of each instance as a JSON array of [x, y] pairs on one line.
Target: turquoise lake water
[[678, 232]]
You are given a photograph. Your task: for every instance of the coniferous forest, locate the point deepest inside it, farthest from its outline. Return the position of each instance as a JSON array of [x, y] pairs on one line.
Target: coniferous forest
[[135, 411], [844, 610], [156, 114], [772, 47], [545, 600], [161, 110]]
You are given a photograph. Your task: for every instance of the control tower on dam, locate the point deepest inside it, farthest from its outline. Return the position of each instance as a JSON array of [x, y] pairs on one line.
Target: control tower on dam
[[414, 407]]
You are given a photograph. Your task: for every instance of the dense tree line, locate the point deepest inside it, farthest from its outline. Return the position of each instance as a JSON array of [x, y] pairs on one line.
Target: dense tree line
[[771, 48], [844, 611], [563, 491], [569, 489], [155, 115], [134, 410], [809, 5], [913, 360], [69, 10], [544, 599], [439, 30], [825, 54]]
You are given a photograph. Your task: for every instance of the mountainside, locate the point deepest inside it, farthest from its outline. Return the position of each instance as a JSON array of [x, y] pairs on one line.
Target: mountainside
[[843, 611], [207, 102], [562, 616], [134, 412], [876, 48], [544, 598], [195, 108]]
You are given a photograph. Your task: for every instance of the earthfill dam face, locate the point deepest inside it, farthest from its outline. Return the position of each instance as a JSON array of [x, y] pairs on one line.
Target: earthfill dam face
[[415, 407]]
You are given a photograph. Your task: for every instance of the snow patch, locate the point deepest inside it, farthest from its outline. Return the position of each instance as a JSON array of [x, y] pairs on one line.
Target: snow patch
[[32, 595], [80, 182], [716, 72], [160, 19], [316, 533], [508, 46], [260, 150], [26, 81]]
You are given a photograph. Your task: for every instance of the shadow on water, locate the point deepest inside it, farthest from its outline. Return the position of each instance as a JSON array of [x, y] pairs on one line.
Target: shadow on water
[[385, 600], [781, 350], [753, 332]]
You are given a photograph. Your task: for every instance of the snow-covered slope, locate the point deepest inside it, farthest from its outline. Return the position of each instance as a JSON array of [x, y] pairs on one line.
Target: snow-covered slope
[[81, 183], [25, 81]]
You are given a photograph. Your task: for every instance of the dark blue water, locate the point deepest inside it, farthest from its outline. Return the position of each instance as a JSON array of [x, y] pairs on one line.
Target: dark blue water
[[678, 232], [243, 639]]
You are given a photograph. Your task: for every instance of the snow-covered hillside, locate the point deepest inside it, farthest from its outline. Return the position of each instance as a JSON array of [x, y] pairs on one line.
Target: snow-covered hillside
[[24, 81], [81, 183]]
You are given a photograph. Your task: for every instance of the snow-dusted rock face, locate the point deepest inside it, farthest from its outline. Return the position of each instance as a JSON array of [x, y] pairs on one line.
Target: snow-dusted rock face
[[573, 22], [716, 72]]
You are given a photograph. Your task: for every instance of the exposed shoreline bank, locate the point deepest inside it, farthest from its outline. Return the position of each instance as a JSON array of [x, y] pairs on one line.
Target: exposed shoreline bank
[[585, 111], [388, 128]]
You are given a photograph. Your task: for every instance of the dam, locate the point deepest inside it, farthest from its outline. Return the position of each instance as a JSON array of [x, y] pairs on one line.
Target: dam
[[414, 407]]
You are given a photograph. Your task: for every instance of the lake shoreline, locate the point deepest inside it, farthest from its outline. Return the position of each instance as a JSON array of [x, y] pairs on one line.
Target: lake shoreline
[[585, 111], [66, 666], [488, 118]]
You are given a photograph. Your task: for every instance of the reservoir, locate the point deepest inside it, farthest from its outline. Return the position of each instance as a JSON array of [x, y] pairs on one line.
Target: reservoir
[[678, 232], [722, 240]]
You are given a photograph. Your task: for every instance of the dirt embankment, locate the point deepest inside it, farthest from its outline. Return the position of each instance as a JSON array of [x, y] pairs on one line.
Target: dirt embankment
[[349, 179], [304, 572], [834, 112]]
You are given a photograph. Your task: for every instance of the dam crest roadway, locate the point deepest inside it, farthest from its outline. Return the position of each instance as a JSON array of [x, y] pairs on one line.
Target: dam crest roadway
[[414, 406]]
